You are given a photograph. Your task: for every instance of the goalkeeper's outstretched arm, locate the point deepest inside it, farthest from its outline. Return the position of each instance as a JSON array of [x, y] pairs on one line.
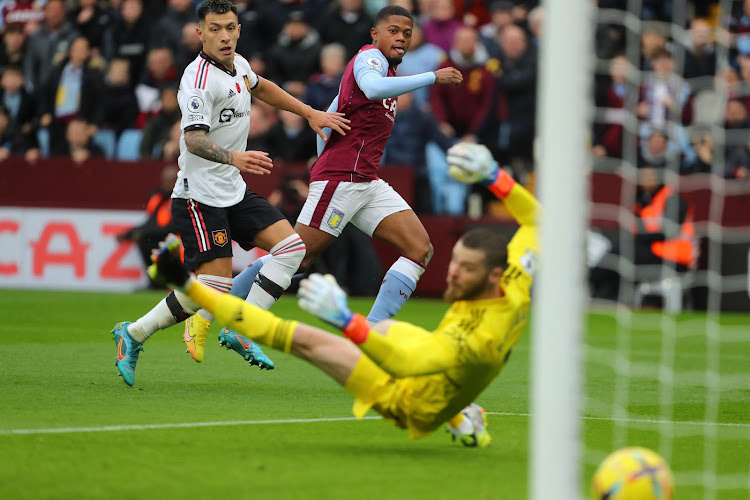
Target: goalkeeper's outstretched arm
[[473, 163]]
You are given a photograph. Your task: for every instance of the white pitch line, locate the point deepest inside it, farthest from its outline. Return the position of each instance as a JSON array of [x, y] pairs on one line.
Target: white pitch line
[[118, 428]]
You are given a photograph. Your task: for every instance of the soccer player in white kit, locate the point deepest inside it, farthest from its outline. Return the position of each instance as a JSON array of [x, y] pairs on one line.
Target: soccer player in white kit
[[211, 203], [344, 185]]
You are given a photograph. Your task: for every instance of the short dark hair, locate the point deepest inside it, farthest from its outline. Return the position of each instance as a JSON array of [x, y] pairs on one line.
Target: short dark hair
[[491, 241], [391, 10], [215, 7]]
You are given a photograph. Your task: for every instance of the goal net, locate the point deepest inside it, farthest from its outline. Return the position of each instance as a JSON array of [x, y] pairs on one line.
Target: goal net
[[664, 330]]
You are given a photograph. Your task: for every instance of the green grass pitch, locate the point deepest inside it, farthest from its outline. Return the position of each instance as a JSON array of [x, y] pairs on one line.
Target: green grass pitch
[[223, 429]]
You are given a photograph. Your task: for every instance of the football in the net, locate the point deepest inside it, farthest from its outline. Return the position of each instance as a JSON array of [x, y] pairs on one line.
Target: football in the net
[[633, 474]]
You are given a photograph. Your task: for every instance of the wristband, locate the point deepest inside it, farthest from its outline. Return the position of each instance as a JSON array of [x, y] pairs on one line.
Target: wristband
[[357, 329], [502, 185]]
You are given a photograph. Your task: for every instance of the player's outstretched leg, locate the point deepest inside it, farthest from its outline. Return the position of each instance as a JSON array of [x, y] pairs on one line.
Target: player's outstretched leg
[[246, 348], [470, 427], [128, 350]]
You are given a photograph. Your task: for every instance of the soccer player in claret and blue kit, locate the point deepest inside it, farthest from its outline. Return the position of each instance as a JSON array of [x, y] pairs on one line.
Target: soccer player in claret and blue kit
[[344, 183]]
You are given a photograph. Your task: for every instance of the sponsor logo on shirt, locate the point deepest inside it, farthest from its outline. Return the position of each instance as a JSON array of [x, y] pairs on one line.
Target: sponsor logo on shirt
[[228, 113], [232, 93], [334, 220]]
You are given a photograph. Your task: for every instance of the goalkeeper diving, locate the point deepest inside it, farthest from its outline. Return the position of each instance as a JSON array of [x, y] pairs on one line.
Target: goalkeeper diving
[[415, 378]]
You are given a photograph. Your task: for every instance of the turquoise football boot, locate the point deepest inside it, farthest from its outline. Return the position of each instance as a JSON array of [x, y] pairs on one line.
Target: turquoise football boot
[[128, 350], [245, 348]]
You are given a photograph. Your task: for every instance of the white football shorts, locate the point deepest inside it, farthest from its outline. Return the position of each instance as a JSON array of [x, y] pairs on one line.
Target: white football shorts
[[331, 205]]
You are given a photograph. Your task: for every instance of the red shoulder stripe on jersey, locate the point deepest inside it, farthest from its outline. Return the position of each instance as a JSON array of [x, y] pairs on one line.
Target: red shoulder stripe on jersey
[[200, 76], [322, 206]]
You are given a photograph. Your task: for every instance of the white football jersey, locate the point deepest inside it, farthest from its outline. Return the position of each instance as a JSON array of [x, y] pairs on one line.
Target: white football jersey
[[213, 99]]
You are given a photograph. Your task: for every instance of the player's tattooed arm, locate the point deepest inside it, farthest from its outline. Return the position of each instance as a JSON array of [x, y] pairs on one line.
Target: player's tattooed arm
[[252, 162], [199, 144]]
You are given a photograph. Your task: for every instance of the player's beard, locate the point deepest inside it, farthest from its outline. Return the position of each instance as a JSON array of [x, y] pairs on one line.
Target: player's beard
[[469, 291], [393, 62]]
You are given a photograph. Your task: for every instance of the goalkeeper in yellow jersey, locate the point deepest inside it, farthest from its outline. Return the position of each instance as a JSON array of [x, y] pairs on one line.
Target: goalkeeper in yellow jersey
[[415, 378]]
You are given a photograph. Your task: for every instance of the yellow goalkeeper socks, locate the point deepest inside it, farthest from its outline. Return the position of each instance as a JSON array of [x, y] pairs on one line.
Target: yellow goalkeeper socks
[[260, 326]]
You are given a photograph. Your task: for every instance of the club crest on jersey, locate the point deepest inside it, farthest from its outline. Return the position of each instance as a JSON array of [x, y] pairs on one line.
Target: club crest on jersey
[[247, 82], [195, 104], [334, 220], [374, 62], [220, 237]]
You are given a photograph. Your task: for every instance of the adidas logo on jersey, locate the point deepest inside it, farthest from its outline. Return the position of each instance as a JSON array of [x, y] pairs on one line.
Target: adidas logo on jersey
[[232, 93]]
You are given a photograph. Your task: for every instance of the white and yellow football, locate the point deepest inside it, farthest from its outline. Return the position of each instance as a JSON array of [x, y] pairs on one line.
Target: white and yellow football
[[633, 473]]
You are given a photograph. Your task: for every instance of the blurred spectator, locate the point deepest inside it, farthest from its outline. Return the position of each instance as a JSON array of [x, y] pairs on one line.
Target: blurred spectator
[[90, 20], [462, 111], [78, 142], [273, 17], [27, 14], [536, 25], [656, 10], [608, 136], [702, 142], [158, 223], [346, 23], [128, 37], [516, 85], [739, 26], [167, 31], [291, 140], [190, 47], [473, 13], [700, 52], [71, 91], [736, 115], [10, 143], [157, 128], [49, 42], [117, 108], [295, 55], [413, 131], [161, 72], [664, 95], [658, 150], [323, 87], [257, 139], [501, 19], [251, 42], [20, 133], [420, 58], [441, 28], [653, 41], [663, 235], [13, 47], [738, 163]]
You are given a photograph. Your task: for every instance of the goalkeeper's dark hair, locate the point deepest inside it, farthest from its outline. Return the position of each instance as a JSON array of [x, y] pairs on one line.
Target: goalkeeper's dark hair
[[491, 241], [215, 7], [391, 10]]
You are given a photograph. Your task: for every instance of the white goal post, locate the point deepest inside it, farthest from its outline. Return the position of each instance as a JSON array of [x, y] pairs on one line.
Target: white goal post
[[564, 98]]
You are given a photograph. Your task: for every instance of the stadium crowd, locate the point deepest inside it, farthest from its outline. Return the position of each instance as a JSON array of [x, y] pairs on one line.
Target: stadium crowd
[[98, 79]]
